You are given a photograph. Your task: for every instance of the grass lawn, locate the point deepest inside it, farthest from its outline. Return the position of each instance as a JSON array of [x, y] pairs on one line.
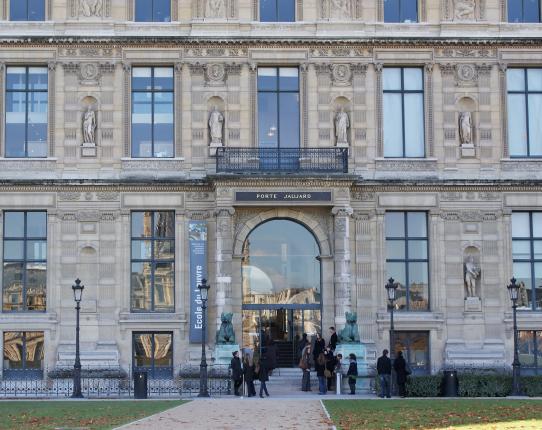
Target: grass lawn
[[463, 414], [45, 415]]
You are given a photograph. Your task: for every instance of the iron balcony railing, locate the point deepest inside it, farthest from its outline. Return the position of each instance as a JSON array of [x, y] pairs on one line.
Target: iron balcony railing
[[275, 160]]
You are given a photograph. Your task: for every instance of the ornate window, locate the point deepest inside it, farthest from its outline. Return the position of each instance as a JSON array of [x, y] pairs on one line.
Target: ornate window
[[407, 258], [401, 11], [527, 258], [27, 10], [25, 261], [153, 262], [26, 111], [152, 112], [530, 351], [23, 354], [153, 352], [277, 10], [152, 10], [415, 347], [403, 112], [523, 10], [524, 112]]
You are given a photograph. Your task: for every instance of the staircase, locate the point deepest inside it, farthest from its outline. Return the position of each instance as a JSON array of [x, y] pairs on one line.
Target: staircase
[[286, 381], [285, 354]]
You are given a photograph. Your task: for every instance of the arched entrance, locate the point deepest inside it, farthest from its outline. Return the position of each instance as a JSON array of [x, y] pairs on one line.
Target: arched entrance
[[282, 284]]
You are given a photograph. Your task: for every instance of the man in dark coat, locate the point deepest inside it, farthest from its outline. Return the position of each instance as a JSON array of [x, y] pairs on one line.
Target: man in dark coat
[[352, 373], [263, 375], [333, 339], [401, 371], [383, 368], [236, 373], [319, 346]]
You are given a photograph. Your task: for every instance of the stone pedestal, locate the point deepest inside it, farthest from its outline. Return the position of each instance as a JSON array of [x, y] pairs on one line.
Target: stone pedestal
[[223, 353], [213, 146], [360, 351], [473, 304], [467, 150], [88, 150]]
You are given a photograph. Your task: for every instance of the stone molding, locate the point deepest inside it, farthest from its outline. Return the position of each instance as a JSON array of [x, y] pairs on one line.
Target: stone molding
[[154, 164], [470, 216], [407, 164]]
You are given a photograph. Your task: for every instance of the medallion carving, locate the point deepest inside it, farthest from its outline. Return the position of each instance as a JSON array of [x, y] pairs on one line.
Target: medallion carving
[[464, 10], [215, 74], [341, 74], [466, 74]]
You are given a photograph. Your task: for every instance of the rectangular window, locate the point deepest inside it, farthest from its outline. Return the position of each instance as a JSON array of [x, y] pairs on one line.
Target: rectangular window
[[523, 10], [153, 352], [415, 347], [530, 351], [152, 10], [153, 261], [27, 10], [527, 258], [400, 10], [23, 354], [403, 112], [26, 111], [277, 10], [524, 112], [407, 258], [152, 112], [25, 261]]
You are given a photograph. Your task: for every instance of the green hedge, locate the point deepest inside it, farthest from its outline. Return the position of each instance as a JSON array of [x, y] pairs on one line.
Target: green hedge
[[424, 386], [532, 385], [484, 385]]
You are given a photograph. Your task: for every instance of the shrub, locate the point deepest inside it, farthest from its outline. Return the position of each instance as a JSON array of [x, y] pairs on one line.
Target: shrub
[[484, 385], [532, 385], [424, 386]]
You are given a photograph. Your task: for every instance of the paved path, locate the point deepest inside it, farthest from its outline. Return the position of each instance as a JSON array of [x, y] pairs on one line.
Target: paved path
[[234, 414]]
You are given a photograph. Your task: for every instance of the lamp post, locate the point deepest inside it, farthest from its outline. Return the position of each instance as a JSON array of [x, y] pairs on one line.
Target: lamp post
[[391, 288], [204, 290], [513, 290], [77, 295]]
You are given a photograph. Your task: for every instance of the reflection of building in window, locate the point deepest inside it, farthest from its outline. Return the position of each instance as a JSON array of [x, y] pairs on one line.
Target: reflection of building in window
[[23, 353], [153, 352], [530, 351], [415, 347]]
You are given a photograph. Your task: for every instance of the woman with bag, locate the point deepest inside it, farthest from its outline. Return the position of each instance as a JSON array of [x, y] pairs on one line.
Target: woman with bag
[[305, 366], [401, 371], [320, 367]]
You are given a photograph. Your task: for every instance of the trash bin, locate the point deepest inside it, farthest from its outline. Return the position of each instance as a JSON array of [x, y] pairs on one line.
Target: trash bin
[[450, 383], [140, 385]]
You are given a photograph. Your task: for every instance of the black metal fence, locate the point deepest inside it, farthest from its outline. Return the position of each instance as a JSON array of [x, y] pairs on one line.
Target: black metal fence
[[179, 383], [291, 160]]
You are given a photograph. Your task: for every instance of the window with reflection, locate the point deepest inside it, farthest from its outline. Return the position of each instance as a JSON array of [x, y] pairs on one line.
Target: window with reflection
[[25, 261], [407, 258], [404, 134], [153, 261], [523, 10], [415, 347], [153, 352], [26, 112], [277, 10], [524, 112], [281, 265], [27, 10], [23, 354], [530, 351], [527, 258], [152, 112], [401, 11], [152, 10]]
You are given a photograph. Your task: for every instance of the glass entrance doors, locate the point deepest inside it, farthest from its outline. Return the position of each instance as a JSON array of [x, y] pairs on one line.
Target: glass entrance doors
[[277, 332]]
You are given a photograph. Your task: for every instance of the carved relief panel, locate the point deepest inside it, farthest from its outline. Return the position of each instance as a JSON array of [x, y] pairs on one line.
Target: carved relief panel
[[89, 9]]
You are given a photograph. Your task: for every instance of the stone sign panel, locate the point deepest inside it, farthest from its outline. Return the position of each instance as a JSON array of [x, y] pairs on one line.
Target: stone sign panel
[[284, 197]]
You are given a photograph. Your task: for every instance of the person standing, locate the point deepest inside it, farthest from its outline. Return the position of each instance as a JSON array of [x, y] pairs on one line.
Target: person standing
[[236, 373], [320, 367], [331, 362], [248, 372], [301, 346], [383, 368], [305, 365], [401, 371], [263, 376], [319, 346], [352, 373], [333, 339]]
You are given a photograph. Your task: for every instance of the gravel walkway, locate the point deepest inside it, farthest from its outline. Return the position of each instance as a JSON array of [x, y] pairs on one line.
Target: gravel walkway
[[234, 414]]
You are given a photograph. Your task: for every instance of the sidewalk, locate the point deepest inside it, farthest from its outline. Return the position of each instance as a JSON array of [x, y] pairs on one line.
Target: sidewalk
[[232, 414]]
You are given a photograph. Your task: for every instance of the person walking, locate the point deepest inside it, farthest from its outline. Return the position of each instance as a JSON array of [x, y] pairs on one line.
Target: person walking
[[236, 373], [383, 368], [319, 346], [352, 373], [263, 376], [333, 339], [248, 372], [401, 371], [305, 365], [320, 367]]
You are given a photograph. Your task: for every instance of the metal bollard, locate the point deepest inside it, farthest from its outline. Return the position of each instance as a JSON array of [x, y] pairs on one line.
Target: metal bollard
[[338, 383]]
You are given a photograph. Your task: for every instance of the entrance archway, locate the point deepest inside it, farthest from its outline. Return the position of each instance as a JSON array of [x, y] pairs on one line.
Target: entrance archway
[[281, 288]]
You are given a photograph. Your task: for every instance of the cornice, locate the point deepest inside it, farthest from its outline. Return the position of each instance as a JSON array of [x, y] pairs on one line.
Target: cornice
[[452, 186], [291, 181]]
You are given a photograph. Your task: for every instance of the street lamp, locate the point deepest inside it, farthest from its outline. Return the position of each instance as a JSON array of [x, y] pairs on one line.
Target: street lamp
[[77, 296], [204, 291], [391, 288], [513, 290]]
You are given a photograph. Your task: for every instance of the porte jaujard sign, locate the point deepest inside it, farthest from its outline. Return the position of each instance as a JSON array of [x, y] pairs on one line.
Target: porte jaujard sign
[[280, 196], [197, 234]]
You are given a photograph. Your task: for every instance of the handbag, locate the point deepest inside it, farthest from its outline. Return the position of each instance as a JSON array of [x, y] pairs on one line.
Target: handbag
[[327, 373]]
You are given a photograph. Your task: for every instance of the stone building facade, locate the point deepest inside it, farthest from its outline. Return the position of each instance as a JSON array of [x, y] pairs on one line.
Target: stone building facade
[[466, 163]]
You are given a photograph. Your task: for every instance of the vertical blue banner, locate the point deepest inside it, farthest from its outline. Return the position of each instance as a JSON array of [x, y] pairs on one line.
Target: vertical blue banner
[[197, 237]]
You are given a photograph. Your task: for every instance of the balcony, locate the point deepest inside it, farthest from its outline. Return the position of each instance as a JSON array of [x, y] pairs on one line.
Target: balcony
[[285, 160]]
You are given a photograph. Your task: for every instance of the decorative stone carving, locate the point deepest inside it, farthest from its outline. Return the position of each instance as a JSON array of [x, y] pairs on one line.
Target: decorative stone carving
[[89, 126], [466, 74], [472, 272], [90, 8], [107, 196], [215, 9], [464, 10], [350, 332], [341, 74], [89, 73], [69, 196], [215, 74], [340, 9], [216, 124], [342, 124], [226, 334]]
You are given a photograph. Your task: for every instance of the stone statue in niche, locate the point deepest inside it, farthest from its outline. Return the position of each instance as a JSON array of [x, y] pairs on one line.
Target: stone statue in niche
[[340, 9], [91, 7], [215, 9], [342, 123], [464, 9], [465, 128], [472, 274], [216, 122], [89, 126]]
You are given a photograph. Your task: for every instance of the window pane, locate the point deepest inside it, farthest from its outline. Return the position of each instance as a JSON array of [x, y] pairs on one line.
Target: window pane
[[142, 78], [161, 11], [13, 350], [419, 286], [267, 120], [289, 79], [535, 124], [163, 125], [268, 11], [531, 10], [289, 120], [143, 10], [395, 224], [36, 224], [417, 249], [538, 286], [521, 224], [286, 12], [164, 224], [164, 287], [15, 124], [141, 286], [164, 249], [37, 125], [515, 11], [36, 281], [395, 249], [143, 350], [13, 287], [515, 79], [34, 349], [417, 224], [36, 10], [393, 126], [391, 78], [413, 78], [522, 272], [14, 224], [521, 249], [391, 10], [17, 10], [141, 224], [526, 348], [537, 224], [36, 250], [141, 125], [267, 78], [397, 271], [163, 78], [15, 78], [415, 347], [13, 249], [409, 10], [163, 350], [414, 132], [517, 124], [37, 78], [141, 249], [534, 79]]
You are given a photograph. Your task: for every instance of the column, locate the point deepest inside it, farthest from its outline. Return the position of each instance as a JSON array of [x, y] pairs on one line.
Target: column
[[342, 273], [223, 269]]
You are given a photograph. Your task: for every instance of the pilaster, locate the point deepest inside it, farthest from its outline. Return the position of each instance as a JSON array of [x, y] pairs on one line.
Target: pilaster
[[223, 264], [342, 270]]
